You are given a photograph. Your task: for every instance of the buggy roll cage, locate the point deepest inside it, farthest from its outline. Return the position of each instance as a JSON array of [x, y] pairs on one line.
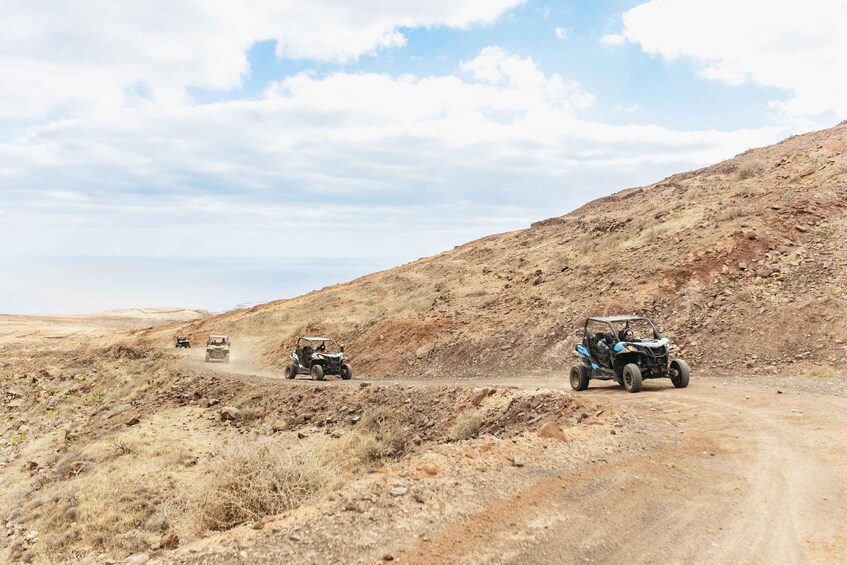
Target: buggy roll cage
[[309, 340], [609, 320]]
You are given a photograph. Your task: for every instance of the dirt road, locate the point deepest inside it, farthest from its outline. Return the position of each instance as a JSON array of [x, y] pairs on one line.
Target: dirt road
[[759, 478], [746, 474]]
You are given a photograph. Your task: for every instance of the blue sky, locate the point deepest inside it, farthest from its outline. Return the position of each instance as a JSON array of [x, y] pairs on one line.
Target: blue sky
[[622, 78], [181, 138]]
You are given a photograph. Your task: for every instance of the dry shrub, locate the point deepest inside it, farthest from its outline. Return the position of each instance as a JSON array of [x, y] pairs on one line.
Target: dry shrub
[[390, 430], [749, 169], [733, 213], [354, 450], [466, 426], [122, 446], [249, 480], [103, 513], [821, 372]]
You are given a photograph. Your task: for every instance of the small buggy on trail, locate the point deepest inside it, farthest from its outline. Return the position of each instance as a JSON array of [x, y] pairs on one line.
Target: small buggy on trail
[[217, 348], [626, 349], [182, 343], [318, 357]]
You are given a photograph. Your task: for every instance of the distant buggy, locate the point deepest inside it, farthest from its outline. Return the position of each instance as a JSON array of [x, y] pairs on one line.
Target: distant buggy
[[318, 357], [626, 349], [217, 348], [182, 343]]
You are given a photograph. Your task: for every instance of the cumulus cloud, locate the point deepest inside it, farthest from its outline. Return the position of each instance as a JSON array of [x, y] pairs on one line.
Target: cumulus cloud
[[416, 163], [796, 46], [59, 58]]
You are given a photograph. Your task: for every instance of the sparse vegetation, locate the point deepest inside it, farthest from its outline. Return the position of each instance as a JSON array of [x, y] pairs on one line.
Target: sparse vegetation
[[732, 213], [93, 398], [123, 446], [466, 426], [390, 431], [749, 169], [252, 479], [821, 372]]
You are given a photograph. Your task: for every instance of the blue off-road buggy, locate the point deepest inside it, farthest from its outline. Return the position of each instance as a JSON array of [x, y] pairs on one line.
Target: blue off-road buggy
[[627, 350]]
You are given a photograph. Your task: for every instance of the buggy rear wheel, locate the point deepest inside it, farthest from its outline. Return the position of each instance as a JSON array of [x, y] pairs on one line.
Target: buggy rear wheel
[[317, 373], [346, 372], [632, 377], [680, 373], [291, 371], [226, 359], [579, 377], [207, 357]]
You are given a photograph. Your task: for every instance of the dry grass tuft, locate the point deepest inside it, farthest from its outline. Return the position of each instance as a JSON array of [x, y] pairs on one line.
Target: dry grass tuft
[[123, 446], [750, 169], [821, 372], [732, 213], [390, 430], [466, 426], [355, 450], [252, 479]]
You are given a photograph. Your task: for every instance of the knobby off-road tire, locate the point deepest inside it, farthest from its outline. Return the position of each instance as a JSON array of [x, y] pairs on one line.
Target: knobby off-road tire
[[226, 359], [680, 373], [317, 373], [207, 357], [632, 377], [346, 372], [579, 377], [291, 371]]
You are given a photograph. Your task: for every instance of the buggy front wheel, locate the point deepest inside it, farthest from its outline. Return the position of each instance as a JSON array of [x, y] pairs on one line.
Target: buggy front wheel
[[317, 373], [632, 377], [291, 371], [680, 373], [579, 377]]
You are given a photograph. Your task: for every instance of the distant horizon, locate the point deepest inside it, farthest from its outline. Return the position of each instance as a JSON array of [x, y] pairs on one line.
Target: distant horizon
[[117, 284]]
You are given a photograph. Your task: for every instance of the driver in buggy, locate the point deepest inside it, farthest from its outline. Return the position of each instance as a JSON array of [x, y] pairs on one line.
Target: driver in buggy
[[626, 335]]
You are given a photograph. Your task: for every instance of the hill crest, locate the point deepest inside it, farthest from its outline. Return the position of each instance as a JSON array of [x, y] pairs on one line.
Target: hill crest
[[740, 262]]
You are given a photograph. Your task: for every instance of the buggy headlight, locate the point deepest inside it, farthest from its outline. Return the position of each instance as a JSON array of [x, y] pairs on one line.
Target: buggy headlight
[[631, 348]]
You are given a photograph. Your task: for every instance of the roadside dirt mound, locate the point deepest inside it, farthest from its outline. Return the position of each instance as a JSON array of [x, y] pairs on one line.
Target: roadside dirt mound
[[740, 262]]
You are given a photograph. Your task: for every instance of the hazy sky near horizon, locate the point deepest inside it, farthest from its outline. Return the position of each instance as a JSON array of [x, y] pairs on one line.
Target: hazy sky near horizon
[[239, 142]]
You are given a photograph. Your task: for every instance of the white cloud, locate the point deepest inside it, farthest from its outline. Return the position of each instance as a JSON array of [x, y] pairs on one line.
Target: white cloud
[[324, 163], [561, 32], [61, 58], [796, 46]]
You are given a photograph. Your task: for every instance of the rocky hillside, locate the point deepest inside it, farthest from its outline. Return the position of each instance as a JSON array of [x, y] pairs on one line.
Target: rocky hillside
[[740, 263]]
